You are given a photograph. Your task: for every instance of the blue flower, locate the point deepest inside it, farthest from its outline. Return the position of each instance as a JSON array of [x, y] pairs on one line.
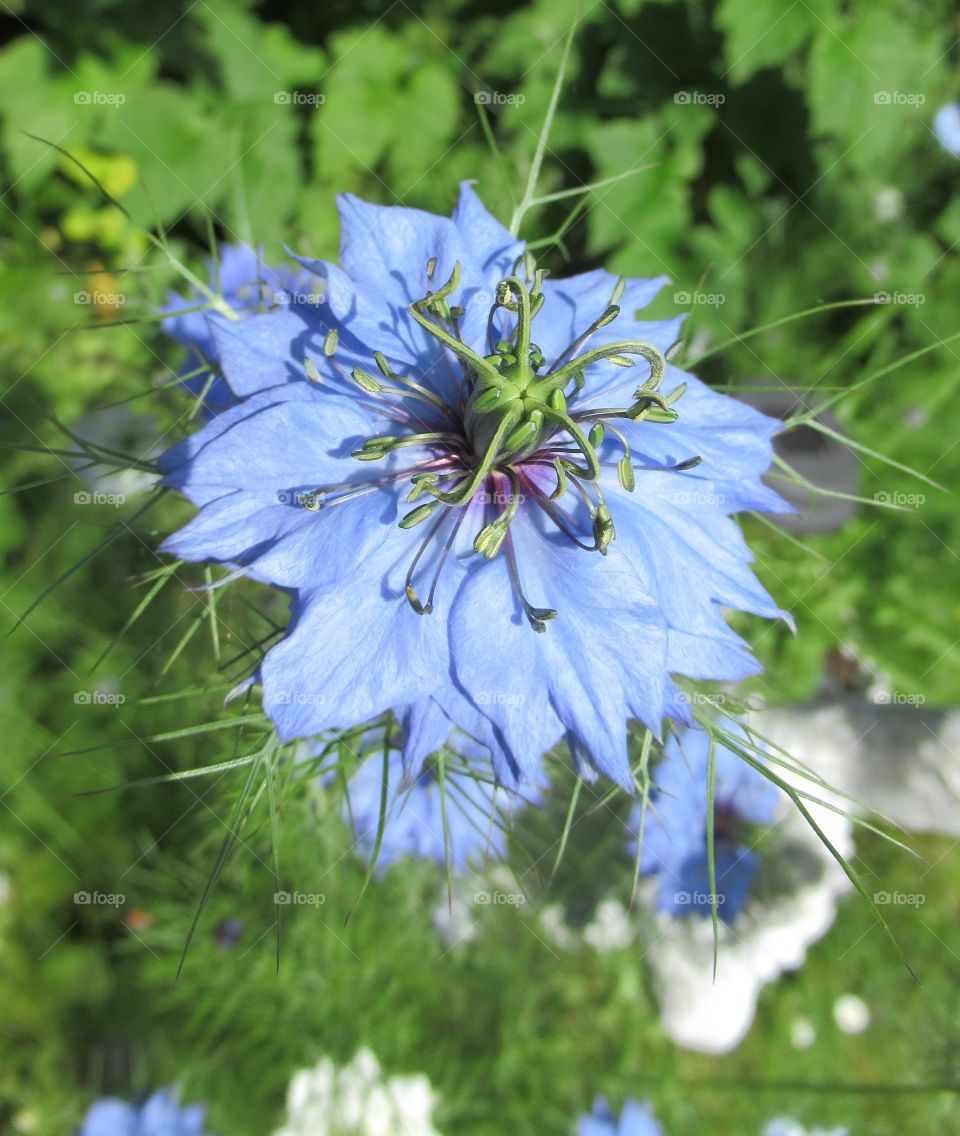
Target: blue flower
[[453, 433], [159, 1115], [635, 1120], [675, 831], [247, 286], [477, 811], [946, 126]]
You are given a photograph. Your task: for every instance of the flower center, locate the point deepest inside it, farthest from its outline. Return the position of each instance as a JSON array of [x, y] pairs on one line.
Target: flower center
[[513, 419]]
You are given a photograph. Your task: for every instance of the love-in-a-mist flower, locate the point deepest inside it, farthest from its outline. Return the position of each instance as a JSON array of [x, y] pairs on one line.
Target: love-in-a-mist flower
[[495, 503], [636, 1119], [245, 285], [464, 822], [159, 1115], [675, 847]]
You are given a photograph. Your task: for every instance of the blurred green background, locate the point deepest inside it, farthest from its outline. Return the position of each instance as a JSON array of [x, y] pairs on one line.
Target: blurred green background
[[780, 157]]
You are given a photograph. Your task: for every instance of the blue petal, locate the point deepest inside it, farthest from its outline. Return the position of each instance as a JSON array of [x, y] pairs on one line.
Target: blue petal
[[579, 666], [492, 246]]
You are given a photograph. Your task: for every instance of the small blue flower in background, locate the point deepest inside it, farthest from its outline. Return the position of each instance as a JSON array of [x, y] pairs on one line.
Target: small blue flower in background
[[485, 508], [247, 285], [675, 831], [635, 1120], [946, 126], [159, 1115], [477, 812]]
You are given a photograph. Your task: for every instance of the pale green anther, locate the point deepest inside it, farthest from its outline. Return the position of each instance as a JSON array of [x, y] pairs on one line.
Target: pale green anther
[[618, 290], [524, 433], [422, 483], [621, 360], [366, 382], [438, 298], [311, 371], [420, 513], [488, 400], [596, 434], [676, 394], [625, 473], [489, 539], [503, 346], [659, 414], [382, 365], [371, 455], [414, 601], [603, 530], [431, 267], [558, 400], [673, 350], [538, 616], [330, 341], [608, 317]]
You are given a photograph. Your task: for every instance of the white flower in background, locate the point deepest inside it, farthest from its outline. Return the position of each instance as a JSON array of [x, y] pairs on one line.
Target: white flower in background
[[887, 752], [120, 429], [851, 1013], [784, 1126], [610, 929], [357, 1100], [803, 1033]]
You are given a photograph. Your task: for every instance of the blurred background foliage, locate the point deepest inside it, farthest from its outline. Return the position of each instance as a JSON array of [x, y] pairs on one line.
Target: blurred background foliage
[[778, 158]]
